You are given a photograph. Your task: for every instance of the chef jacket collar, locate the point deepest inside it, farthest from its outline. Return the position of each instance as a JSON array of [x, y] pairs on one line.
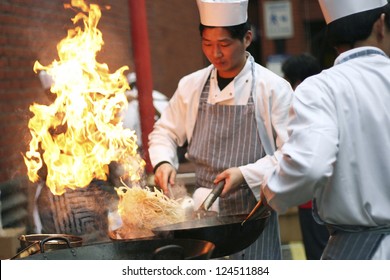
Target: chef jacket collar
[[228, 93], [358, 52]]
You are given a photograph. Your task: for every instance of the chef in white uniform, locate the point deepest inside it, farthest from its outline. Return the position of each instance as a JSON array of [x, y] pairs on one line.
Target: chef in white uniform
[[339, 129], [229, 112]]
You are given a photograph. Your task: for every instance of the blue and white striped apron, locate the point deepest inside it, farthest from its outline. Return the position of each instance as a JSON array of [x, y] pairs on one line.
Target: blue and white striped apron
[[348, 242], [227, 136]]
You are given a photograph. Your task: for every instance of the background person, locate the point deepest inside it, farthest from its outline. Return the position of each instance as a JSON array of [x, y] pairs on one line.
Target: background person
[[130, 116], [228, 112], [338, 127], [298, 67]]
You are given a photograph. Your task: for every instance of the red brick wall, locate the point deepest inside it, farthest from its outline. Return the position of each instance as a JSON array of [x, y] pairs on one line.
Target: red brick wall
[[175, 41], [21, 39], [30, 30]]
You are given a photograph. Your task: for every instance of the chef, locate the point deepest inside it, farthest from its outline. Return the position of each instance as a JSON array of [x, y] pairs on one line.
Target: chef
[[339, 129], [229, 112]]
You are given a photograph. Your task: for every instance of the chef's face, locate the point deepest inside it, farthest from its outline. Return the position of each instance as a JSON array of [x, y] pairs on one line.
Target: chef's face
[[227, 54]]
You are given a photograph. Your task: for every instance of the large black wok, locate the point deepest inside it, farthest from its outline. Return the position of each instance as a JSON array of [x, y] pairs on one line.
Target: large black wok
[[141, 249], [227, 232]]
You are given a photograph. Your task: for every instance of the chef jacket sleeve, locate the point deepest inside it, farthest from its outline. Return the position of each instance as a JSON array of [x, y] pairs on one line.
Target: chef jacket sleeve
[[275, 102], [310, 152], [177, 121], [169, 132]]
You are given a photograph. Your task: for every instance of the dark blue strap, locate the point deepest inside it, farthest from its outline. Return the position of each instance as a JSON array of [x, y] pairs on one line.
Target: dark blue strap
[[361, 53]]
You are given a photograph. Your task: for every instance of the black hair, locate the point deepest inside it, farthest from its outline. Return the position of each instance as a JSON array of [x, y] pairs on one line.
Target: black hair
[[299, 67], [236, 31], [356, 27]]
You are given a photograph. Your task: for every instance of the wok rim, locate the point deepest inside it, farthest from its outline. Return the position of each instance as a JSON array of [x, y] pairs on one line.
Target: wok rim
[[239, 217], [194, 248], [31, 238]]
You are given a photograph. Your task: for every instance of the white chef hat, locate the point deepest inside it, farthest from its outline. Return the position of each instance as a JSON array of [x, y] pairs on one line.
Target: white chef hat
[[222, 12], [335, 9], [46, 80], [131, 78]]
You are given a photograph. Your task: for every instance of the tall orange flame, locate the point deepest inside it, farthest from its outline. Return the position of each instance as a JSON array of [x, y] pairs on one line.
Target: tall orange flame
[[79, 135]]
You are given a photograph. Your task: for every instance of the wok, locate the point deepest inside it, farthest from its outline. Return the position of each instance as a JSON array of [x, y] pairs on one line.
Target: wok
[[141, 249], [228, 233]]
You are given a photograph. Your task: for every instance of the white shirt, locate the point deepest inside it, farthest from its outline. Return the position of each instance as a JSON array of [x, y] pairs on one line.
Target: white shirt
[[272, 97], [338, 147]]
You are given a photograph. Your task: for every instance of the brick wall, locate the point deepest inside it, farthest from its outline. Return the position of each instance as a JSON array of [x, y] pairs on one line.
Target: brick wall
[[30, 31], [174, 41]]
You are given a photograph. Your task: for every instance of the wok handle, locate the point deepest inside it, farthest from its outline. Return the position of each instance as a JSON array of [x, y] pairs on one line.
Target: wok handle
[[217, 190], [43, 241], [28, 251], [256, 211]]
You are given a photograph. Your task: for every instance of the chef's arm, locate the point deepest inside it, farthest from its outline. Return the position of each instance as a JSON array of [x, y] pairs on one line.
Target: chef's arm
[[234, 177], [168, 133], [254, 173], [309, 155], [273, 135]]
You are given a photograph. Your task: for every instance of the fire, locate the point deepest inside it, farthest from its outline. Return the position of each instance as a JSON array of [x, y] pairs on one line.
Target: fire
[[79, 134]]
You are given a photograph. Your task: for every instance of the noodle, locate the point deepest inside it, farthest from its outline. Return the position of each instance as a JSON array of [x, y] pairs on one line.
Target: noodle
[[141, 210]]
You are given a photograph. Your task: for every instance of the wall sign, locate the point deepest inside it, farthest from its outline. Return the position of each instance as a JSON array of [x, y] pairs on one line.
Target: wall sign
[[278, 20]]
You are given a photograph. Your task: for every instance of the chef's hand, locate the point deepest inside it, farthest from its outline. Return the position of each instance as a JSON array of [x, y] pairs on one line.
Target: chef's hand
[[165, 174], [233, 179]]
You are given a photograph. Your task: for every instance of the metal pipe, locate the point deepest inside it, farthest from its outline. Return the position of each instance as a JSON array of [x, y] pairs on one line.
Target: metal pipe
[[142, 62]]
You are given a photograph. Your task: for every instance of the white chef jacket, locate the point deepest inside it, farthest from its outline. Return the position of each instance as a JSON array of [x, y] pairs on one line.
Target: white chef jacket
[[272, 96], [337, 148]]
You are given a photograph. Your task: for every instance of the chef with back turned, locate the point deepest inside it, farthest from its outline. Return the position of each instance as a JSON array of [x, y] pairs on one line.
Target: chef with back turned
[[339, 131], [233, 113]]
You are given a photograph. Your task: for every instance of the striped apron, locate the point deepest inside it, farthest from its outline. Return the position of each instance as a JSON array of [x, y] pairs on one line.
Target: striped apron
[[351, 242], [224, 137]]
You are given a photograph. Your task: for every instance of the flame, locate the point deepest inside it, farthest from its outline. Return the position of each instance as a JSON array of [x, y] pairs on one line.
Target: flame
[[79, 134]]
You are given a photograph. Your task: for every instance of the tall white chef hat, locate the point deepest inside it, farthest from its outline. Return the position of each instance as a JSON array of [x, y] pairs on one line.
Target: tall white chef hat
[[222, 12], [335, 9]]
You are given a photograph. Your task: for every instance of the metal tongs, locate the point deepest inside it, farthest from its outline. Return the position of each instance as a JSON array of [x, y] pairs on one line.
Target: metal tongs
[[210, 199]]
